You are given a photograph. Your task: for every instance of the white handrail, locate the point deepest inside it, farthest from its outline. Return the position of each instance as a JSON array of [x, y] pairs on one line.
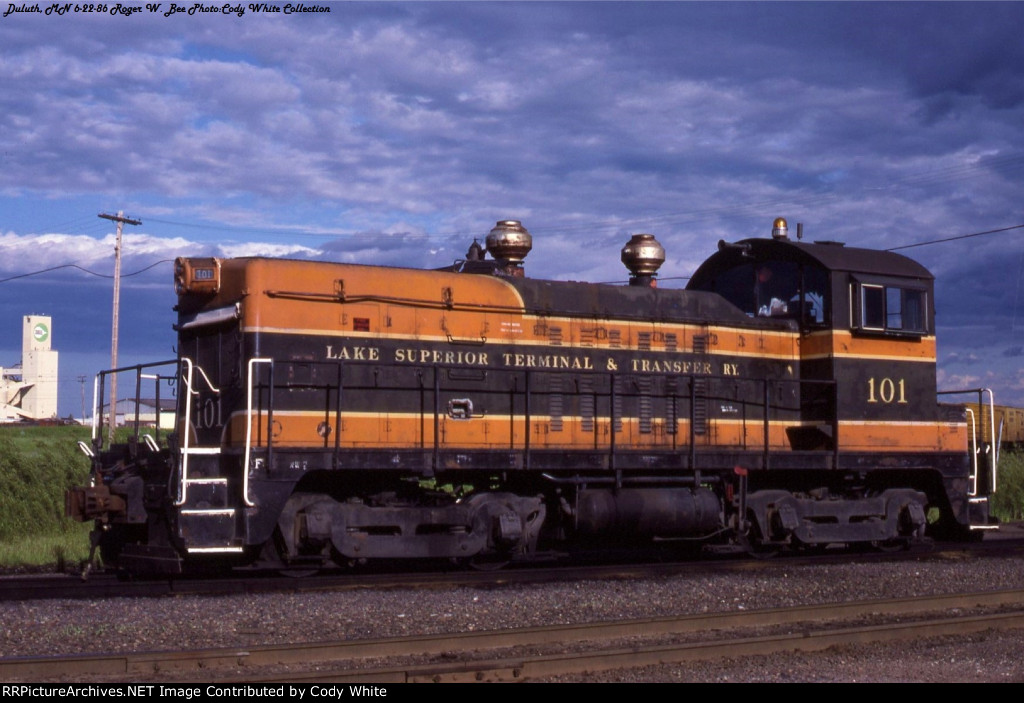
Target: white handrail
[[207, 379], [186, 432], [86, 449], [993, 445], [150, 442], [248, 427], [186, 448], [95, 412], [973, 490], [992, 434]]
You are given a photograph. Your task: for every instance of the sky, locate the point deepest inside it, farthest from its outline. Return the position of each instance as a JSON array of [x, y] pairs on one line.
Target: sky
[[395, 133]]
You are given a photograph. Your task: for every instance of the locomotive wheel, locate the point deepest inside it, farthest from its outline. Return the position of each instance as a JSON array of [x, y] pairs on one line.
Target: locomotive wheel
[[814, 548], [754, 544], [298, 573], [270, 559], [489, 562], [761, 551], [896, 544]]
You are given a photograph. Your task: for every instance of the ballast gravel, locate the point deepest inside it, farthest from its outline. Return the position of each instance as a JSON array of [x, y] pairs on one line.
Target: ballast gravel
[[33, 628]]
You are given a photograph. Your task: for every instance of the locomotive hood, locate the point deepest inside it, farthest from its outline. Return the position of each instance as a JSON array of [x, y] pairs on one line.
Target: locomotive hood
[[602, 301]]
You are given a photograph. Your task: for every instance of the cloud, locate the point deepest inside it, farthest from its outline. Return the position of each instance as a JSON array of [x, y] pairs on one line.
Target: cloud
[[416, 111], [395, 133], [949, 381], [28, 254], [962, 358]]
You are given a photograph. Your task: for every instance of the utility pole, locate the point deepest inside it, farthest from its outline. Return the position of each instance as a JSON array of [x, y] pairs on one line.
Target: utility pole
[[81, 380], [121, 220]]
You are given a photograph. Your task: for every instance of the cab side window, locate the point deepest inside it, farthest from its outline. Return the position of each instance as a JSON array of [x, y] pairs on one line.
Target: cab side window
[[889, 308]]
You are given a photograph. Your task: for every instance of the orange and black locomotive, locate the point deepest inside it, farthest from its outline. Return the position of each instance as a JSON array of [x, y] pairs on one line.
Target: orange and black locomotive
[[330, 413]]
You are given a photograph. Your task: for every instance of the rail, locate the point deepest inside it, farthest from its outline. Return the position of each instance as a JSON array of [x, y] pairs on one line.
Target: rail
[[600, 401], [992, 449], [456, 393], [99, 388], [579, 649], [661, 408]]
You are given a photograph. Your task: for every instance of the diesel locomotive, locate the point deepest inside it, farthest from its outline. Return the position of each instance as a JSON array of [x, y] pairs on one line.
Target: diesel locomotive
[[327, 414]]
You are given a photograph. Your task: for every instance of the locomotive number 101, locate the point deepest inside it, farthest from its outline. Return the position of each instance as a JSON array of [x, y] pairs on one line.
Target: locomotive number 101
[[886, 390]]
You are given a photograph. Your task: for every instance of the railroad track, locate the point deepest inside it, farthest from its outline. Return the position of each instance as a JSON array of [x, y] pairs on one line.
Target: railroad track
[[532, 653], [102, 585]]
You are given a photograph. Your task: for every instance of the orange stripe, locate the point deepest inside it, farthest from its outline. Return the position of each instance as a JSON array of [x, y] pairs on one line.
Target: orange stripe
[[897, 436], [838, 343], [500, 433]]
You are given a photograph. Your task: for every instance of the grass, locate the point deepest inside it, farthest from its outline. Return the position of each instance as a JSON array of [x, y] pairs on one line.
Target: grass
[[37, 464], [1008, 501], [56, 550]]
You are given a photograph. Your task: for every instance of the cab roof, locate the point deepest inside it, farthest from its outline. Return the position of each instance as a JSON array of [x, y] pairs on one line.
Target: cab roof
[[832, 256]]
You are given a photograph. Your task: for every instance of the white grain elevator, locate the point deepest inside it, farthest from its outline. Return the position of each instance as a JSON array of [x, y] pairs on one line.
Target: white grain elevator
[[30, 393]]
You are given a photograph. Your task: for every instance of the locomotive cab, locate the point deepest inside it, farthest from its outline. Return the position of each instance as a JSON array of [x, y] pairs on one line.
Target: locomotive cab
[[866, 324], [866, 328]]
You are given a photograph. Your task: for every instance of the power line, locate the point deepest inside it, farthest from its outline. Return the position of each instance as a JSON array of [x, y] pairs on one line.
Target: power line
[[800, 198], [166, 261], [84, 270], [953, 239]]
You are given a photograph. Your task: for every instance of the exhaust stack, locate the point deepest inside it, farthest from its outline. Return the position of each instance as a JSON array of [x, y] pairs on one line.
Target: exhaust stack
[[643, 255]]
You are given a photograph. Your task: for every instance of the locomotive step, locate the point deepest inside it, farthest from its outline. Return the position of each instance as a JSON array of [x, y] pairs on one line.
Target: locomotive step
[[204, 529], [206, 493], [981, 519]]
